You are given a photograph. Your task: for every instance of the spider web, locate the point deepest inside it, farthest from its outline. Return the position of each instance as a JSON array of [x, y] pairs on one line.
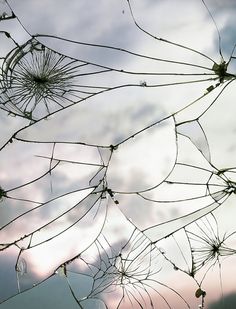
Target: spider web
[[84, 128]]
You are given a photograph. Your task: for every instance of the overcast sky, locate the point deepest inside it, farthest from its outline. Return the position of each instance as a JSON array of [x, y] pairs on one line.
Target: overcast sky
[[110, 118]]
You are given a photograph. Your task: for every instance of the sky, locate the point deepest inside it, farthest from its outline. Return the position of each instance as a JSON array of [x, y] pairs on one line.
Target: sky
[[84, 31]]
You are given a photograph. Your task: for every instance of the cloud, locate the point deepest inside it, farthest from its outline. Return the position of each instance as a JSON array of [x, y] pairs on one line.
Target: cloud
[[111, 117], [228, 301]]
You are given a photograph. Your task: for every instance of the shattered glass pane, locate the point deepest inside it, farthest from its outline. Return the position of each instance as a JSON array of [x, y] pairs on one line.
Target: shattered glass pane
[[117, 153]]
